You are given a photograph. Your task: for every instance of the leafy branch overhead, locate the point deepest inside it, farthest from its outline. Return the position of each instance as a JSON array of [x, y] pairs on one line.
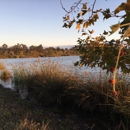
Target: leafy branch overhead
[[97, 50], [83, 19], [79, 20]]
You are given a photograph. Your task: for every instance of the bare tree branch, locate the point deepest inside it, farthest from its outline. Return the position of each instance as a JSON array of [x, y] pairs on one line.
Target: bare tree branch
[[93, 7], [72, 8]]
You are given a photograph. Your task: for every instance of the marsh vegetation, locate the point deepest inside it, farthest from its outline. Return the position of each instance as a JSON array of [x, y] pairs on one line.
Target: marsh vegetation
[[57, 98]]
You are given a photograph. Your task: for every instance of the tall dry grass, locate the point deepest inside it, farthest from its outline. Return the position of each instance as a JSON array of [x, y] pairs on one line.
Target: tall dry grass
[[20, 76], [52, 84], [47, 80], [31, 125], [4, 72], [2, 66]]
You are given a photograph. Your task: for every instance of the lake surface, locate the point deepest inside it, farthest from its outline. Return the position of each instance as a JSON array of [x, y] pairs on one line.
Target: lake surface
[[68, 61], [65, 60]]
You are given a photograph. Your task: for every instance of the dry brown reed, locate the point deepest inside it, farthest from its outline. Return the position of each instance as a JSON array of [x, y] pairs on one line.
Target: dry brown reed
[[32, 125], [2, 66], [4, 72]]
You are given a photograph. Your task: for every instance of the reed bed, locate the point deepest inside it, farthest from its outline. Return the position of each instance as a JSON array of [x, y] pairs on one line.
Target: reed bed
[[53, 84]]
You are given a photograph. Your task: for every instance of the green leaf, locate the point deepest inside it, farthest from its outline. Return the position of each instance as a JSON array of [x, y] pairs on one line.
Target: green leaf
[[65, 25], [84, 6], [80, 21], [84, 12], [107, 10], [78, 26], [88, 38], [84, 34], [95, 17], [91, 32], [119, 8], [78, 15], [115, 27], [127, 7], [86, 24], [71, 23], [105, 32], [66, 18], [106, 16], [91, 21]]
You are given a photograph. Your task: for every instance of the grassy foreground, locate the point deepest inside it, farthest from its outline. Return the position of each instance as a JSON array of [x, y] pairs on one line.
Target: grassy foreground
[[59, 99], [19, 114]]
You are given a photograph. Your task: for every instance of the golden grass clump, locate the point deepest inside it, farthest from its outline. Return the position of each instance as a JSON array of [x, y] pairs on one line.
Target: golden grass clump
[[47, 80], [51, 82], [4, 72], [31, 125], [2, 66]]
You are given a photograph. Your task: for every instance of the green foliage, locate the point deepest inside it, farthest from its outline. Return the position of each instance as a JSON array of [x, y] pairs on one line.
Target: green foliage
[[96, 51], [103, 55], [115, 27]]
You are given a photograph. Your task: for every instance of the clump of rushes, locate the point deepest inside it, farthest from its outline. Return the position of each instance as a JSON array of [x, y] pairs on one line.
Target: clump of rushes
[[32, 125], [2, 66], [4, 72], [20, 76], [47, 81], [50, 83], [94, 94]]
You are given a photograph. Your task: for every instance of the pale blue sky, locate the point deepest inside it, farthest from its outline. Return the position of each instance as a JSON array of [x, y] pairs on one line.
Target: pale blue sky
[[35, 22]]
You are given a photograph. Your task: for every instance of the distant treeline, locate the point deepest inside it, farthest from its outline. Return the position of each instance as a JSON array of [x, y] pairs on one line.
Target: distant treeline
[[22, 51]]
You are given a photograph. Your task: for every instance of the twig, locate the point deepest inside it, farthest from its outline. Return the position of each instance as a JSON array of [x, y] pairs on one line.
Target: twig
[[93, 7], [72, 8]]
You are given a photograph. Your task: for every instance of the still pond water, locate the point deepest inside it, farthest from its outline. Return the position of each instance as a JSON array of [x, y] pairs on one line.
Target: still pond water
[[68, 61]]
